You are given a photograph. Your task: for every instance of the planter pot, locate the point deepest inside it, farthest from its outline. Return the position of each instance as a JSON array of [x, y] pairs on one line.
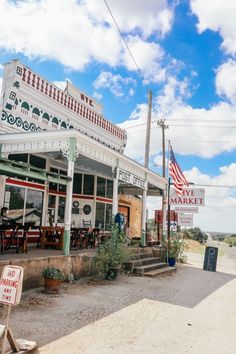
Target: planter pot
[[112, 273], [52, 286], [171, 261], [184, 259]]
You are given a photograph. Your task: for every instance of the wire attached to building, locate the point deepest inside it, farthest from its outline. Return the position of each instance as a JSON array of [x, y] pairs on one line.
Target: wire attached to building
[[123, 38]]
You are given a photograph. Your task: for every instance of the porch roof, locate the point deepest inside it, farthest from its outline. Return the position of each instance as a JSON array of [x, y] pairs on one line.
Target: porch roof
[[55, 141]]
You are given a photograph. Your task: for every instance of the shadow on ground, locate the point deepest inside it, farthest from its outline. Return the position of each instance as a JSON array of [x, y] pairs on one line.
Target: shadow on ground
[[44, 318]]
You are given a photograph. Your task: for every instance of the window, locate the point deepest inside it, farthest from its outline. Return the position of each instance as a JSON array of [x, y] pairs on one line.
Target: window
[[62, 187], [52, 185], [103, 217], [108, 216], [31, 214], [88, 185], [109, 189], [17, 198], [18, 157], [37, 161], [101, 187], [100, 213], [77, 183], [34, 207], [104, 187], [61, 209], [51, 209]]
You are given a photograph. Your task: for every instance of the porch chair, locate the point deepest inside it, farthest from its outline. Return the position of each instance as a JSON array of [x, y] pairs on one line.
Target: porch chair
[[93, 238]]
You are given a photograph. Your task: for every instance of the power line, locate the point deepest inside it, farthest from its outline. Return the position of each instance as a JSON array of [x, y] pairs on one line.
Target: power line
[[214, 185], [183, 125], [202, 126], [123, 38]]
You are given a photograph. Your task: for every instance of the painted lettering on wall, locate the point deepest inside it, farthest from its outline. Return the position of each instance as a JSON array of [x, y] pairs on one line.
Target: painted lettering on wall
[[129, 178]]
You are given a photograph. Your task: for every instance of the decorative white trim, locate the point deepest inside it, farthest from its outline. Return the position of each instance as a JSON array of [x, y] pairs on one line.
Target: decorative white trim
[[50, 141]]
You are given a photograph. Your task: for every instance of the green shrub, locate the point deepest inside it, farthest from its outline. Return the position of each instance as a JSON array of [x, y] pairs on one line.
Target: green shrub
[[53, 273], [111, 253]]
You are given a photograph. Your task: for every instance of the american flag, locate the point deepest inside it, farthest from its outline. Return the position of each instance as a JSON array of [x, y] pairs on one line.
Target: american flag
[[176, 174]]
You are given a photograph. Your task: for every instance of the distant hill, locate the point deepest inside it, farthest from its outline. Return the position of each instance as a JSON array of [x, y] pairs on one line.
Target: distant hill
[[218, 235]]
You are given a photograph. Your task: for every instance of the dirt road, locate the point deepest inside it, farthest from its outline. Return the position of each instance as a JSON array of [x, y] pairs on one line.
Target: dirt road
[[192, 311]]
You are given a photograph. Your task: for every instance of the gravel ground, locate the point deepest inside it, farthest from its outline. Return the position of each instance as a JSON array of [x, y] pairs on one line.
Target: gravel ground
[[190, 311]]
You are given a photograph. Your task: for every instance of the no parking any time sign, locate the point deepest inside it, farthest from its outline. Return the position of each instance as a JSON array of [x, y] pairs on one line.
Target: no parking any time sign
[[11, 285]]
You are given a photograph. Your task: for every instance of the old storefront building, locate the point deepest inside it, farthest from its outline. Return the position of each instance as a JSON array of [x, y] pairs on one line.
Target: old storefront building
[[62, 161]]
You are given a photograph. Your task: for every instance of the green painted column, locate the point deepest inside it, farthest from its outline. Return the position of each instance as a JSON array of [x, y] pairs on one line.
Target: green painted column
[[71, 157], [144, 202]]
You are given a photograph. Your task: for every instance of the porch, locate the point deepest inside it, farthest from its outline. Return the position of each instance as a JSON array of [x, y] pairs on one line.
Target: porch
[[79, 263], [77, 153]]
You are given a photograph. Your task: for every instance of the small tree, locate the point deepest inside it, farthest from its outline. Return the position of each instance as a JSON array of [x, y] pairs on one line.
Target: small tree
[[111, 254]]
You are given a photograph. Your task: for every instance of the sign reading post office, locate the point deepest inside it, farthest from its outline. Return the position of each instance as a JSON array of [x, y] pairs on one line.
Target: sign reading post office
[[190, 197], [130, 178]]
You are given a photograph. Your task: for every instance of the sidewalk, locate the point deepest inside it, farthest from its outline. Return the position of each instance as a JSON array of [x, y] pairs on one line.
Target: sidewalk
[[191, 312]]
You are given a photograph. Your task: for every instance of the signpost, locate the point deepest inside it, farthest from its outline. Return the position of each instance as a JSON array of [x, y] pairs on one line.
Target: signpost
[[210, 259], [10, 294]]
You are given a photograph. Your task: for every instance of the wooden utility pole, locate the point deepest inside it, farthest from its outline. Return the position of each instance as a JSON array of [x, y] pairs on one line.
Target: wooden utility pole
[[146, 163], [163, 126], [147, 144]]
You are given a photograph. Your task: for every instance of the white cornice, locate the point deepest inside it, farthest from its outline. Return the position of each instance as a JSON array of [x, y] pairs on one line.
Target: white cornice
[[39, 142]]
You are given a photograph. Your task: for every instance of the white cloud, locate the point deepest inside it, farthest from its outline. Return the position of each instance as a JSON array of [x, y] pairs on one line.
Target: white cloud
[[77, 33], [60, 84], [146, 17], [149, 56], [220, 202], [0, 84], [117, 84], [173, 94], [217, 16], [97, 95], [201, 132], [226, 80]]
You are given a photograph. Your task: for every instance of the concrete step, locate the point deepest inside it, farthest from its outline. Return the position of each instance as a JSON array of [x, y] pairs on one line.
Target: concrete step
[[155, 272], [148, 267], [129, 265], [135, 256]]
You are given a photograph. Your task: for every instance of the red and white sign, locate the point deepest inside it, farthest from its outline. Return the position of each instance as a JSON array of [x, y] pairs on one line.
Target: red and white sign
[[189, 197], [188, 210], [11, 285], [185, 220]]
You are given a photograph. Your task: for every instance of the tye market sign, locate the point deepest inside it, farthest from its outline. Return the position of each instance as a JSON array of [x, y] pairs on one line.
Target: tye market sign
[[190, 197], [190, 210], [130, 178], [11, 285]]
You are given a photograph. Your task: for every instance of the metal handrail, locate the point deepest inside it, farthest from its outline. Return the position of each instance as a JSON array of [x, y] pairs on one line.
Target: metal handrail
[[166, 246]]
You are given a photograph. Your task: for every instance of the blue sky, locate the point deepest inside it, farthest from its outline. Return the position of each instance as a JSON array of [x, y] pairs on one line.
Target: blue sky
[[185, 51]]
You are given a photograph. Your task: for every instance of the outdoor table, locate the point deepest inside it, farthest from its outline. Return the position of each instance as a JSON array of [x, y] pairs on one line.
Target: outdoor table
[[52, 236]]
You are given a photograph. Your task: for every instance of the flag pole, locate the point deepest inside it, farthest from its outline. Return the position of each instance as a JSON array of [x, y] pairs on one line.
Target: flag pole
[[168, 213], [168, 196]]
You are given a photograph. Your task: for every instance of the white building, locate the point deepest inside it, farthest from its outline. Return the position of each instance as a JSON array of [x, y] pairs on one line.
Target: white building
[[61, 156]]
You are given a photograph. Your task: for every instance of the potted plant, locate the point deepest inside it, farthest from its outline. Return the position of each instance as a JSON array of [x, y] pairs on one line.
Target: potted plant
[[176, 247], [53, 278], [111, 254]]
